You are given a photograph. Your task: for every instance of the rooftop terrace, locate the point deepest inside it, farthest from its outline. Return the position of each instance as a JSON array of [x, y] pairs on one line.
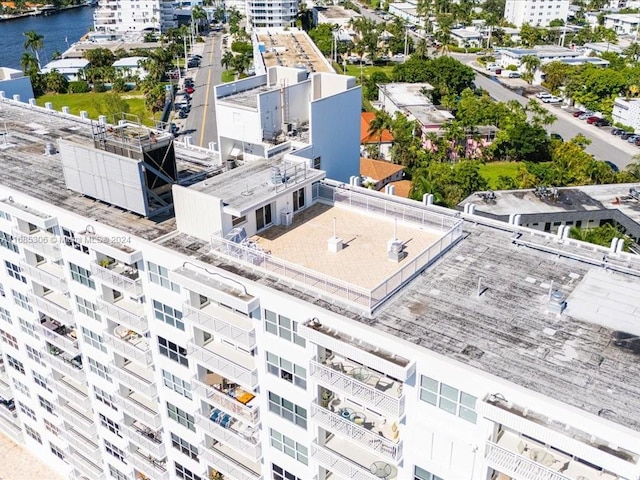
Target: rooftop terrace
[[291, 49]]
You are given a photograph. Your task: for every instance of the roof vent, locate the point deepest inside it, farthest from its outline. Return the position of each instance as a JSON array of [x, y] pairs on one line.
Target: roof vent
[[557, 302], [395, 247], [50, 149]]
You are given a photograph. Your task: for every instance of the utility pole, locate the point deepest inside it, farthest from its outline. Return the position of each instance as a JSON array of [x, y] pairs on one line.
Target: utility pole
[[406, 44]]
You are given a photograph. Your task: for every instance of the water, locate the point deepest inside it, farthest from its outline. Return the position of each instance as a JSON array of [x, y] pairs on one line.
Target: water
[[58, 29]]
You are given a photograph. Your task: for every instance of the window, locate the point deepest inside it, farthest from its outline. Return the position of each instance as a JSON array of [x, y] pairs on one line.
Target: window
[[180, 416], [283, 327], [113, 450], [99, 369], [46, 404], [93, 339], [173, 351], [6, 241], [317, 162], [33, 434], [87, 308], [34, 355], [177, 384], [28, 328], [298, 199], [235, 221], [110, 425], [185, 473], [69, 239], [57, 451], [422, 474], [104, 397], [21, 387], [288, 410], [51, 427], [9, 339], [184, 446], [81, 275], [280, 473], [40, 380], [168, 315], [5, 215], [117, 474], [263, 217], [289, 446], [16, 364], [22, 300], [27, 411], [448, 398], [160, 276], [5, 315], [287, 370], [15, 271]]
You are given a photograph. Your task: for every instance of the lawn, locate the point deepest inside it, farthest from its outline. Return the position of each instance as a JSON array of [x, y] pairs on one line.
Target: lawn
[[92, 103], [492, 171], [354, 70], [228, 76]]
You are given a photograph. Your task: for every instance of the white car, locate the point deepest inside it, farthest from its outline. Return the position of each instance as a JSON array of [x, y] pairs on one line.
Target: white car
[[543, 95], [551, 99], [513, 75]]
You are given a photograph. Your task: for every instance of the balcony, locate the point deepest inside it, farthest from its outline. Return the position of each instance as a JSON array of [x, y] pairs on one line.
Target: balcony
[[11, 428], [77, 393], [228, 463], [55, 305], [65, 363], [355, 464], [235, 328], [47, 274], [149, 465], [60, 335], [77, 419], [524, 459], [364, 428], [146, 437], [80, 442], [137, 406], [41, 242], [234, 400], [349, 378], [227, 361], [137, 378], [232, 432], [8, 411], [5, 385], [120, 276], [84, 465], [129, 344], [125, 312]]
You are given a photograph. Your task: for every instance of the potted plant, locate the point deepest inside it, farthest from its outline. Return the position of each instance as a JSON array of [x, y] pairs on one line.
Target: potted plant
[[326, 396], [215, 475], [105, 262]]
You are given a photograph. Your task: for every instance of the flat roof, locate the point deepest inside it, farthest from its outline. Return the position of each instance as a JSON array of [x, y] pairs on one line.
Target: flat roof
[[294, 47], [332, 12], [128, 62], [407, 94]]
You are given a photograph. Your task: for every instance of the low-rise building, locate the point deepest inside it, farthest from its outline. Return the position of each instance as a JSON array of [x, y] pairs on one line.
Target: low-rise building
[[14, 82], [70, 68], [622, 23], [407, 11], [466, 37], [377, 174], [334, 15], [131, 66], [627, 112], [383, 140]]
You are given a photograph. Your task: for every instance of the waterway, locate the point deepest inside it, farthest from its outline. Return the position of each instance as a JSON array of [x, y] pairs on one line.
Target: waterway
[[59, 30]]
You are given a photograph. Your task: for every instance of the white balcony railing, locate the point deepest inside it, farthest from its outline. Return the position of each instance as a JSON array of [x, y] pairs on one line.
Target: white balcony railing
[[77, 419], [230, 437], [149, 465], [64, 364], [129, 350], [340, 465], [151, 441], [227, 466], [224, 366], [139, 411], [80, 442], [117, 279], [135, 382], [220, 321], [343, 426], [134, 318], [226, 403], [64, 315], [45, 278], [86, 466], [40, 242], [61, 341], [518, 466], [348, 385], [11, 428], [71, 393]]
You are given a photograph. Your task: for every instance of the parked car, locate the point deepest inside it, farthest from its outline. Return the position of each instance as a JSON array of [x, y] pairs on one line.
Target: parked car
[[543, 95], [637, 142], [513, 75], [173, 128], [556, 136], [603, 122], [633, 138], [182, 114], [578, 113], [189, 90], [592, 119], [617, 131], [586, 115], [492, 67], [613, 166], [552, 99], [625, 135]]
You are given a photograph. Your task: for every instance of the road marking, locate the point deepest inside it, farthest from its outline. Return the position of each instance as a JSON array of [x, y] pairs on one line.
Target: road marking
[[206, 96]]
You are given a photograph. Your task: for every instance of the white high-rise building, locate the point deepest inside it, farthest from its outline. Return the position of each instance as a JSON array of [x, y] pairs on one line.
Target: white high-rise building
[[115, 18], [281, 325], [271, 13], [535, 12]]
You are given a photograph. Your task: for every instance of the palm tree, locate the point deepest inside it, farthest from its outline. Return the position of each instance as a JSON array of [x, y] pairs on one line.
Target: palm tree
[[227, 60], [634, 168], [241, 63], [424, 9], [531, 63], [29, 64], [197, 15], [34, 42], [421, 49], [381, 122], [632, 52]]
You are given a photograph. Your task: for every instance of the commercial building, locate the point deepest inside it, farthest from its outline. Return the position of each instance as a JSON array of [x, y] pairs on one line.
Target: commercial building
[[627, 111], [282, 325], [536, 13], [115, 19]]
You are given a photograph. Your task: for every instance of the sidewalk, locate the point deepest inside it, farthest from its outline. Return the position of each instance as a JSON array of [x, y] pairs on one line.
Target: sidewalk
[[19, 464]]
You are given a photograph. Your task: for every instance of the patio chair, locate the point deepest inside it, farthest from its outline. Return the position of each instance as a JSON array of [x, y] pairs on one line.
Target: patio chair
[[215, 415], [338, 366], [384, 384], [226, 421]]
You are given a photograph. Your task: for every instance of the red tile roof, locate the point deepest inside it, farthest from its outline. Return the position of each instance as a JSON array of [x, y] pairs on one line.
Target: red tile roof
[[403, 187], [378, 169], [365, 136]]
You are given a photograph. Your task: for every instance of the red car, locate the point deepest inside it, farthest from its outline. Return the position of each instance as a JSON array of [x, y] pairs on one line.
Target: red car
[[578, 113], [592, 120], [189, 90]]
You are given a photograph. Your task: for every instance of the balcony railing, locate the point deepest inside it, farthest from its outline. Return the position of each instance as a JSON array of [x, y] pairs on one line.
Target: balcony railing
[[86, 466], [340, 465], [68, 365], [226, 403], [367, 438], [136, 352], [137, 410], [227, 466], [135, 318], [5, 386], [71, 393], [10, 415], [518, 466], [230, 437], [224, 366], [149, 440], [80, 442], [45, 278], [62, 341], [119, 277], [135, 382], [11, 428], [221, 321], [40, 242], [64, 315], [149, 465], [348, 385], [77, 419]]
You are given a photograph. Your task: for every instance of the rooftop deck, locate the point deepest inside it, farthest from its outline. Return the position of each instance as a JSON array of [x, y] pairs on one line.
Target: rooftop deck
[[293, 49]]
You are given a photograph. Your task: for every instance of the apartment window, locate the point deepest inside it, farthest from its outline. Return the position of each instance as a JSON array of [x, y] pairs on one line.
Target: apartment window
[[287, 370], [263, 217], [173, 351], [110, 425], [168, 315], [448, 398], [180, 416], [5, 215], [33, 434], [40, 380], [117, 474], [289, 446], [35, 355], [51, 427], [184, 446], [27, 411], [81, 275], [21, 387], [422, 474], [298, 199], [185, 473], [283, 327], [46, 404], [9, 339], [6, 241], [5, 315], [99, 369], [177, 384], [317, 163], [93, 339], [87, 308], [70, 240], [160, 276], [16, 364], [280, 473], [113, 450], [288, 410], [57, 451], [22, 300], [104, 397], [28, 328], [15, 271]]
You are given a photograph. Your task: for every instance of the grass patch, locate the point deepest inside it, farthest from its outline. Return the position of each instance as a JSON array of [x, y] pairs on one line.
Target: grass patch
[[494, 170], [91, 102], [228, 76], [354, 70]]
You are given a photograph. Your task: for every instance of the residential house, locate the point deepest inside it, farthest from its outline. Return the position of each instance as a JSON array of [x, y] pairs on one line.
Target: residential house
[[71, 68], [383, 140], [377, 174]]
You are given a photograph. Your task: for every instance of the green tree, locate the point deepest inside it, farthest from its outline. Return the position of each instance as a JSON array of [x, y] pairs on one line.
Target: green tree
[[322, 36], [99, 57], [29, 64], [532, 36], [381, 122], [227, 60], [34, 42], [112, 105], [241, 63], [198, 17], [155, 98], [602, 235], [55, 82], [556, 22], [531, 63]]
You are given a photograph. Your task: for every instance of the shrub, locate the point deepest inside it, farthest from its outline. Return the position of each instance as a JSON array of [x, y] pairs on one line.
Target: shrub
[[512, 68], [79, 87]]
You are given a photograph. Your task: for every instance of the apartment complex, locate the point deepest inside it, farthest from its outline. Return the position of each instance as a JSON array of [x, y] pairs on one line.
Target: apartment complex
[[535, 12], [271, 13], [282, 325], [113, 19]]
